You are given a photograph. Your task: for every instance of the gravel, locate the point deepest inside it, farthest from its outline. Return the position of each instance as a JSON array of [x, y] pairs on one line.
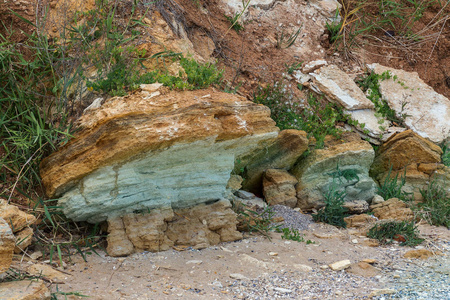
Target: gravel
[[417, 279], [292, 219], [298, 285]]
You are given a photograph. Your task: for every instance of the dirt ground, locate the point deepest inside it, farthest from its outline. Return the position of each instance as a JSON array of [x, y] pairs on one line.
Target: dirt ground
[[253, 268]]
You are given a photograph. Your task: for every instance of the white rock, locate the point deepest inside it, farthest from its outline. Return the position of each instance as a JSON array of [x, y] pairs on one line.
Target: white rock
[[282, 290], [252, 260], [428, 112], [97, 103], [151, 87], [238, 276], [313, 65], [340, 265], [303, 268], [339, 88], [375, 126], [194, 262], [355, 241], [301, 77], [36, 255], [245, 195], [377, 199]]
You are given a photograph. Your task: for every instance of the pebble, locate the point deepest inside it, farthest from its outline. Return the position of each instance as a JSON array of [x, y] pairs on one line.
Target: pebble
[[238, 276], [340, 265], [194, 262], [282, 290]]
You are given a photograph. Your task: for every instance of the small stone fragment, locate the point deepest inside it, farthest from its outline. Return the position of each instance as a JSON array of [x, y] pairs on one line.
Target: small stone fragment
[[370, 261], [377, 199], [194, 262], [340, 265], [381, 292], [24, 289], [238, 276], [46, 271], [372, 243], [273, 253], [363, 269], [420, 254], [282, 290], [304, 268]]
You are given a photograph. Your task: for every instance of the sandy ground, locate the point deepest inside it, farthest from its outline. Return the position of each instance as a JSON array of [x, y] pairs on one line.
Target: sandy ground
[[253, 268]]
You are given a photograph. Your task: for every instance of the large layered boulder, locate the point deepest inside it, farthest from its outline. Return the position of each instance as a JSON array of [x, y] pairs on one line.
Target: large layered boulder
[[140, 160], [153, 150], [427, 112], [409, 155], [343, 164]]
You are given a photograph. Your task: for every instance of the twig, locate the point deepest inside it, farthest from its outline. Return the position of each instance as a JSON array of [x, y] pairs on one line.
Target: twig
[[21, 170], [109, 282]]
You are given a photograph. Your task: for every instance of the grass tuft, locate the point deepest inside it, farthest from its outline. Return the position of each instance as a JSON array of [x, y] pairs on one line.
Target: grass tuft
[[403, 232], [436, 206]]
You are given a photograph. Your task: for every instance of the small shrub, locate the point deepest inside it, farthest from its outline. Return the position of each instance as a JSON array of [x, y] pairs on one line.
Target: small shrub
[[257, 221], [370, 84], [445, 155], [391, 188], [404, 232], [292, 234], [318, 118], [333, 212], [436, 206]]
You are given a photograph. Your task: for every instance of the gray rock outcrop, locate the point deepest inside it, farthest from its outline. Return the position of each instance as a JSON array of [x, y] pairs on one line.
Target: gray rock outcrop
[[345, 165]]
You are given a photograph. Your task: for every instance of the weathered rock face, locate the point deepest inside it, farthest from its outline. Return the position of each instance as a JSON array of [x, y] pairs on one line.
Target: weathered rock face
[[282, 154], [356, 206], [279, 188], [339, 88], [360, 221], [403, 149], [153, 150], [315, 173], [159, 229], [7, 243], [16, 218], [411, 156], [19, 222], [428, 112], [393, 209], [24, 290]]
